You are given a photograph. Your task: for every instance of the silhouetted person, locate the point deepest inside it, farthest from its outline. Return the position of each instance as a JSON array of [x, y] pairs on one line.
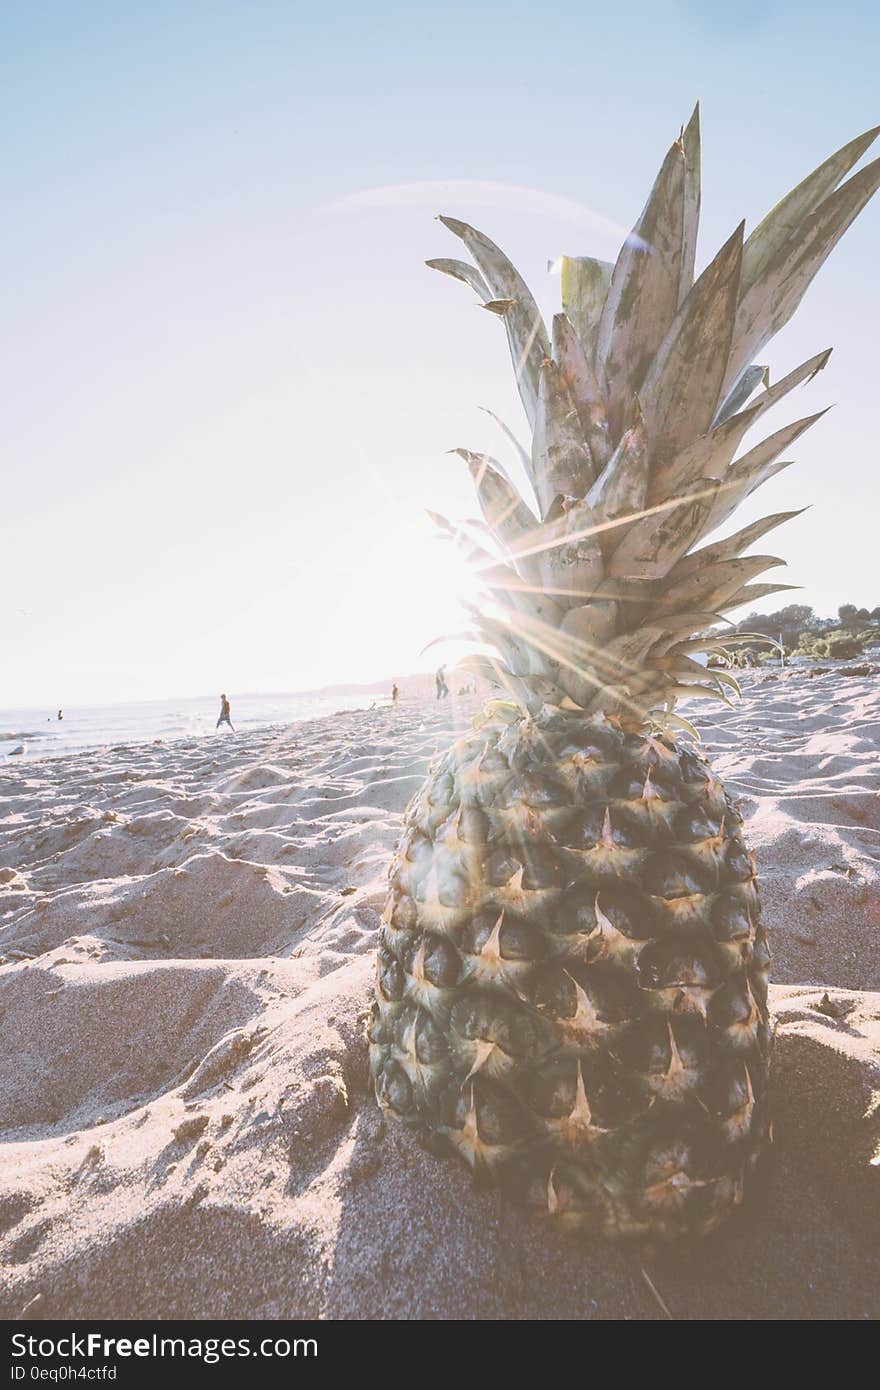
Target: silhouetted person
[[224, 713], [61, 714], [395, 694], [442, 687]]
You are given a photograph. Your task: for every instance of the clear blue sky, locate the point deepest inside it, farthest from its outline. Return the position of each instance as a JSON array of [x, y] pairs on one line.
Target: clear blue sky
[[227, 399]]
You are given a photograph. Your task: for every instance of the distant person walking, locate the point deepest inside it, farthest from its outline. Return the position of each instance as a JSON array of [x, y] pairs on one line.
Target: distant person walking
[[224, 713], [395, 694], [61, 714], [440, 679]]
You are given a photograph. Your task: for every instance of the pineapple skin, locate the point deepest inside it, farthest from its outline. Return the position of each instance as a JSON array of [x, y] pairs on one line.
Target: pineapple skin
[[572, 976]]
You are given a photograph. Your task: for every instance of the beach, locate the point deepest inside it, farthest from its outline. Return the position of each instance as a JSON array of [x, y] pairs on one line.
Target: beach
[[187, 931], [34, 733]]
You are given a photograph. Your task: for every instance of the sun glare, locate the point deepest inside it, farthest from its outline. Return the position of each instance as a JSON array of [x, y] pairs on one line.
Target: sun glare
[[419, 582]]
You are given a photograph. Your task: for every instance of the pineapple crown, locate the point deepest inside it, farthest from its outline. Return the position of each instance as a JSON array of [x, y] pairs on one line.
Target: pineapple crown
[[638, 401]]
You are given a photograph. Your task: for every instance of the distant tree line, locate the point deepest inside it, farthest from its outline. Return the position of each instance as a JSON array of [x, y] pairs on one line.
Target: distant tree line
[[849, 614], [799, 630]]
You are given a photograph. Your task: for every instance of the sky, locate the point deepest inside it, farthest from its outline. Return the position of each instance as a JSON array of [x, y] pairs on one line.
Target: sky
[[230, 383]]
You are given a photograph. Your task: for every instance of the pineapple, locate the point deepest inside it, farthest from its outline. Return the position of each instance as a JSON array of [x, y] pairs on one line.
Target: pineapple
[[572, 968]]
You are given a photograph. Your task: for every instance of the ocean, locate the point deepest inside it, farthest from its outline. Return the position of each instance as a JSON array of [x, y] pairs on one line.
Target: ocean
[[41, 734]]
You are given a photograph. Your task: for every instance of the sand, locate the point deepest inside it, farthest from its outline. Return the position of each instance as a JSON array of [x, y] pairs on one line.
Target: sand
[[186, 1129]]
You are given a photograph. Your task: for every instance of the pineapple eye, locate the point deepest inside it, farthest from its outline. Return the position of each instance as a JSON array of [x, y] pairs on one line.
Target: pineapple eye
[[534, 790], [628, 911], [431, 1045], [379, 1032], [739, 861], [693, 769], [485, 1018], [417, 851], [441, 963], [516, 939], [761, 956], [552, 1092], [473, 826], [404, 915], [539, 868], [628, 785], [519, 941], [394, 1090], [584, 831], [476, 933], [391, 979], [574, 916], [443, 790], [671, 876], [696, 823], [732, 1005], [499, 1119], [666, 963], [500, 867], [730, 920], [542, 869], [661, 1044], [557, 994]]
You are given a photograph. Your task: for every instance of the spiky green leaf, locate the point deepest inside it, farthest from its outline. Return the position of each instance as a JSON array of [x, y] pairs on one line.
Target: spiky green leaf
[[711, 585], [643, 296], [527, 335], [690, 142], [560, 461], [679, 402], [621, 490], [569, 555], [464, 271], [748, 383], [754, 468], [731, 546], [585, 284], [774, 394], [771, 235], [653, 544], [576, 370], [769, 302], [752, 592]]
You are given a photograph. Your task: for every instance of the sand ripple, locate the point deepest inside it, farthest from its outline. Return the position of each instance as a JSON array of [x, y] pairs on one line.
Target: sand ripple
[[186, 933]]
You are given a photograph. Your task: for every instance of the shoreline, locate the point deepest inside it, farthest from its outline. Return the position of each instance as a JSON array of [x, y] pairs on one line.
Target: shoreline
[[168, 740]]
